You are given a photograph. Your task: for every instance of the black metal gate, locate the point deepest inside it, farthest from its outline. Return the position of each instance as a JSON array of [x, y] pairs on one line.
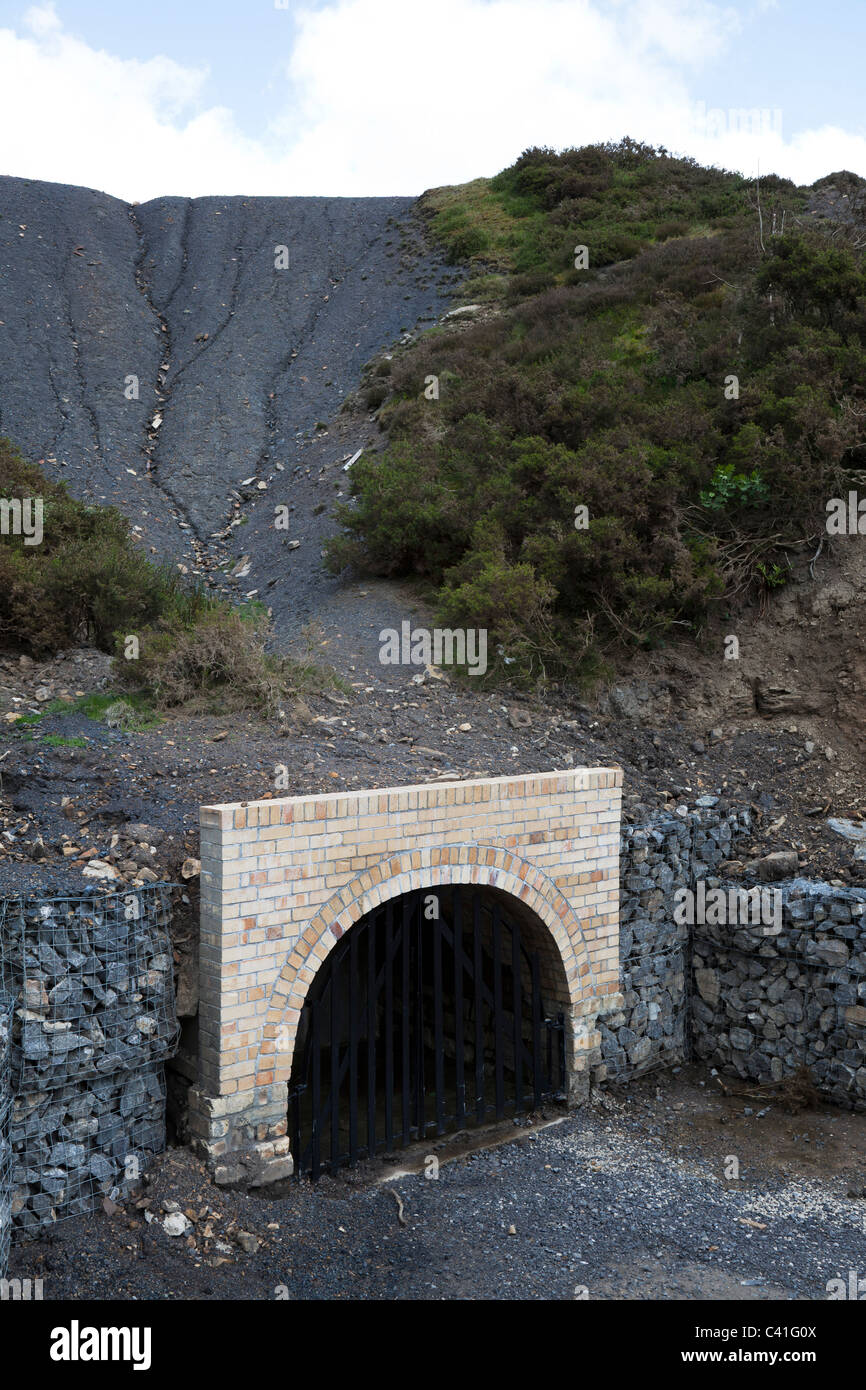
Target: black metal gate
[[427, 1017]]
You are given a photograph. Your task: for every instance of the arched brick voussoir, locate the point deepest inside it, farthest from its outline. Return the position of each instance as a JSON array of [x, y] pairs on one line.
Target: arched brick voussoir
[[485, 865]]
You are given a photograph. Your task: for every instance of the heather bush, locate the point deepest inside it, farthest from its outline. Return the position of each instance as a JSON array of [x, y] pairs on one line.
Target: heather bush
[[88, 581], [84, 580], [608, 389]]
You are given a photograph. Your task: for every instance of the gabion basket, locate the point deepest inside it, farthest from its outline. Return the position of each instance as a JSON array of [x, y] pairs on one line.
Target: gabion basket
[[92, 1023], [95, 984], [76, 1145], [7, 1004]]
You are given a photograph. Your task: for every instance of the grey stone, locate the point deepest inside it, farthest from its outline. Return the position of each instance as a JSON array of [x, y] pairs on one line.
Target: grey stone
[[781, 864], [640, 1051]]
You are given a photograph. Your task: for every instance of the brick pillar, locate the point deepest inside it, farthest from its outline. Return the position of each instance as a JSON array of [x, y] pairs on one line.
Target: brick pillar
[[238, 1126], [582, 1062]]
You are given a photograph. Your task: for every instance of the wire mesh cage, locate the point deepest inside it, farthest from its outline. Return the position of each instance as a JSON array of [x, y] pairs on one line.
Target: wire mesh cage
[[659, 1018], [92, 1024], [95, 982], [76, 1145], [7, 1004]]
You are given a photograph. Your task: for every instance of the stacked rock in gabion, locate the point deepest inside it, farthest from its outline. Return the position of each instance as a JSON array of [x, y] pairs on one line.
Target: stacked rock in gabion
[[93, 1023], [668, 853], [6, 1008], [766, 1005], [77, 1144], [95, 983], [649, 1027]]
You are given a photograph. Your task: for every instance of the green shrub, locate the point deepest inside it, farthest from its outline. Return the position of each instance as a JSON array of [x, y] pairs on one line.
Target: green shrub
[[84, 581], [89, 581], [729, 490], [509, 599], [608, 391], [815, 277], [467, 243]]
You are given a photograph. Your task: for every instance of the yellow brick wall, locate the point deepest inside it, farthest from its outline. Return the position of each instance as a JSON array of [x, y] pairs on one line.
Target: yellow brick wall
[[283, 879]]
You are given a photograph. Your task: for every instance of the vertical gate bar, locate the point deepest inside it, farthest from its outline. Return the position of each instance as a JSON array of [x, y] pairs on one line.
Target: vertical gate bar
[[335, 1062], [296, 1132], [404, 946], [536, 1030], [371, 1036], [353, 1045], [480, 1107], [316, 1155], [561, 1053], [460, 1078], [389, 1025], [439, 1041], [549, 1081], [419, 1020], [498, 1039], [517, 992]]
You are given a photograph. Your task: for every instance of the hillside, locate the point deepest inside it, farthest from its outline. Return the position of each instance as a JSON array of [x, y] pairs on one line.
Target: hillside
[[601, 387], [641, 421], [236, 361]]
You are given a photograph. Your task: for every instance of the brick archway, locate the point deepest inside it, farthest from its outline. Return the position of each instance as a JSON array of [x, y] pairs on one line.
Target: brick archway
[[283, 879], [482, 865]]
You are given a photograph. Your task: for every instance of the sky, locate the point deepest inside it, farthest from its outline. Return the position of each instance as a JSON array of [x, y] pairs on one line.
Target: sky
[[351, 97]]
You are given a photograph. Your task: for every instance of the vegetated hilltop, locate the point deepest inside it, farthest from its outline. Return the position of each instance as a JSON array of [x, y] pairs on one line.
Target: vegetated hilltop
[[157, 359], [694, 379]]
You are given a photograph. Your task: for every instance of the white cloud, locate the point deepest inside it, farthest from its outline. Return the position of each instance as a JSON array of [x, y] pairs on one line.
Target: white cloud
[[687, 31], [43, 20], [385, 96]]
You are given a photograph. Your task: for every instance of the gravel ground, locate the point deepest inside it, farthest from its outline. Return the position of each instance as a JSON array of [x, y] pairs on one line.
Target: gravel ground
[[624, 1199]]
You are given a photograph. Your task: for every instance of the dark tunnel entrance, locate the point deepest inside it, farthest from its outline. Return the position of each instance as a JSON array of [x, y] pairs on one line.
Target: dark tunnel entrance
[[439, 1010]]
